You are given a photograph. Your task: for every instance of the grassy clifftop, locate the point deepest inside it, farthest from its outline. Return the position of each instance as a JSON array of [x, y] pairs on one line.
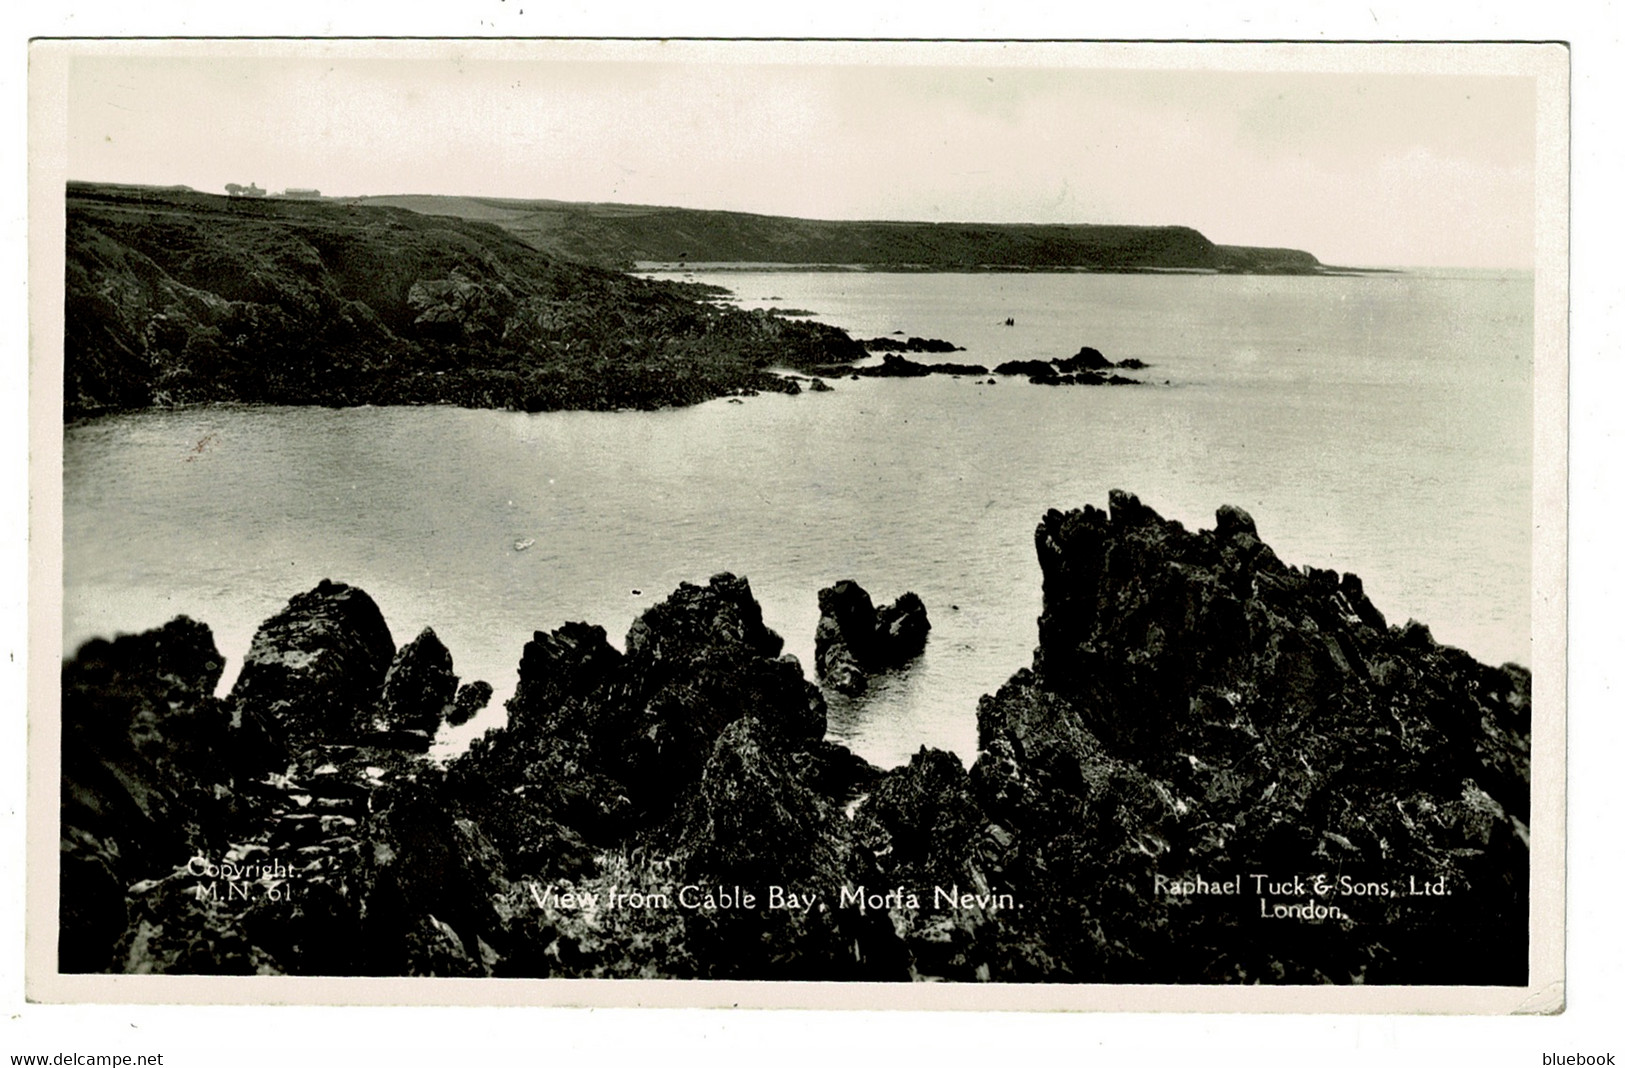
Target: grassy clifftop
[[177, 297], [621, 234]]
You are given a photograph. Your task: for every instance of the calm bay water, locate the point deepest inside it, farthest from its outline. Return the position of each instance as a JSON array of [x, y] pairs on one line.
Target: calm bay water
[[1377, 424]]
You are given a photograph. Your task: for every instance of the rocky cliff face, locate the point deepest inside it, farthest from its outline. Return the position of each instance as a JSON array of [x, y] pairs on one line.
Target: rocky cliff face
[[1199, 710], [176, 297], [1219, 769]]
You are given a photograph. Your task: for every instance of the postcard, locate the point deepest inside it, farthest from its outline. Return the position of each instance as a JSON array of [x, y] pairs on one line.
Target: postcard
[[818, 523]]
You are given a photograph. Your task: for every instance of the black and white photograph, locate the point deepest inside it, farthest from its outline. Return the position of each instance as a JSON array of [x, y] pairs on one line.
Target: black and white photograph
[[844, 523]]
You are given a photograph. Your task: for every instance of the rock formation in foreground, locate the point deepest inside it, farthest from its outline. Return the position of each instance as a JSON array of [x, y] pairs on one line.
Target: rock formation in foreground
[[855, 639], [1218, 769]]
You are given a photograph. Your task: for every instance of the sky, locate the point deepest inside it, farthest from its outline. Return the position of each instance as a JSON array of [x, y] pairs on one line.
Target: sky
[[1377, 169]]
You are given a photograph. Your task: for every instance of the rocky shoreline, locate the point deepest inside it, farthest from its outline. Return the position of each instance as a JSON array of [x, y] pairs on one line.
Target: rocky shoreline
[[1217, 769], [174, 298]]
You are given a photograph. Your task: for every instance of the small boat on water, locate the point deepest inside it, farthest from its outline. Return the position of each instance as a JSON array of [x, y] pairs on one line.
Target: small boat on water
[[522, 544]]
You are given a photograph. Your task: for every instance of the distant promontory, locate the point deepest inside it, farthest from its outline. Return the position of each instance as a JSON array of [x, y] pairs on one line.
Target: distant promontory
[[622, 235]]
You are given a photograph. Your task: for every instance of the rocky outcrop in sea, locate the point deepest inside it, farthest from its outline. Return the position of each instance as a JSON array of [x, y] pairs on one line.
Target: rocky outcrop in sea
[[1218, 768], [911, 344], [855, 639], [1087, 367], [894, 366]]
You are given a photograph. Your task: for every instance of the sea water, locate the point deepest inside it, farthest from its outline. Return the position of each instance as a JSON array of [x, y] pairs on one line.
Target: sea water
[[1380, 424]]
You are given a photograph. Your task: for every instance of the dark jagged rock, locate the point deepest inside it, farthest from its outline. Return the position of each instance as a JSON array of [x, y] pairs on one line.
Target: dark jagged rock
[[924, 824], [418, 688], [372, 876], [855, 639], [1197, 712], [754, 824], [892, 366], [569, 662], [927, 831], [694, 624], [836, 772], [1196, 707], [695, 663], [534, 793], [1041, 368], [837, 665], [537, 782], [340, 867], [753, 821], [429, 872], [471, 699], [153, 770], [1086, 359], [901, 629], [607, 744], [913, 344], [316, 669], [846, 627]]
